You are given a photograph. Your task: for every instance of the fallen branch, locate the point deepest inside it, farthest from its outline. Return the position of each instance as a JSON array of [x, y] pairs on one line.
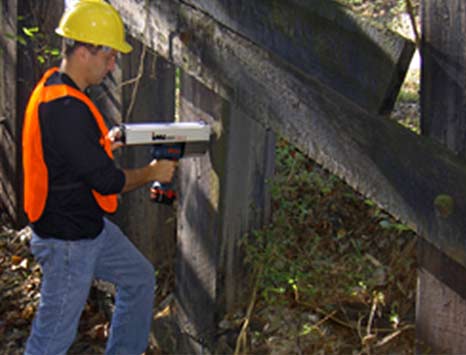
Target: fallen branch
[[241, 340], [323, 320], [349, 325], [392, 336], [371, 316]]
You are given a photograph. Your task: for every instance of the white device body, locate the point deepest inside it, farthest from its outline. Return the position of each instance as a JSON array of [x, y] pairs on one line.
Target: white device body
[[161, 132]]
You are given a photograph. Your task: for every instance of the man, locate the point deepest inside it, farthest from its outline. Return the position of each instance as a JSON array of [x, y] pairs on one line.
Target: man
[[71, 181]]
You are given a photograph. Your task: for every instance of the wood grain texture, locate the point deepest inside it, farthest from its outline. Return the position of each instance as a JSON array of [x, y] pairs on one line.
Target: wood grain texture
[[324, 40], [440, 317], [199, 223], [443, 98], [150, 226], [441, 305], [224, 195], [9, 160]]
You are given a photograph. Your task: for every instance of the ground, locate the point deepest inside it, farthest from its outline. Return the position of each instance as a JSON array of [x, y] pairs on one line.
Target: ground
[[334, 273]]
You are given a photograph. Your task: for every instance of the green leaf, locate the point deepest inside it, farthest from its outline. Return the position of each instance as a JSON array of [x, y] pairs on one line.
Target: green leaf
[[31, 31], [306, 329], [385, 224], [21, 40], [55, 52], [401, 227]]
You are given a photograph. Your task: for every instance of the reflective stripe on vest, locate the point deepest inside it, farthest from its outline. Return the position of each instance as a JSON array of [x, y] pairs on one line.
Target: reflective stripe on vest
[[35, 169]]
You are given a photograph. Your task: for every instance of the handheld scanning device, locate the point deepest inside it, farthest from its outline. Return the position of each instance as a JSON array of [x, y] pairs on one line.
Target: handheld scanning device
[[165, 193], [171, 141]]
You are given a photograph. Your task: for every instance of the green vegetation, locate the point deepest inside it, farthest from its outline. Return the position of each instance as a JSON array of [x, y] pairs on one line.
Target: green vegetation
[[39, 45], [336, 272], [39, 42]]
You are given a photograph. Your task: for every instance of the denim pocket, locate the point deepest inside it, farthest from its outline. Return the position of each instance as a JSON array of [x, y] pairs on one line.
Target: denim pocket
[[44, 251]]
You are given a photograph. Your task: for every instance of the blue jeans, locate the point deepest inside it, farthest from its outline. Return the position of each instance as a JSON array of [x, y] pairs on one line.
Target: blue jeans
[[68, 269]]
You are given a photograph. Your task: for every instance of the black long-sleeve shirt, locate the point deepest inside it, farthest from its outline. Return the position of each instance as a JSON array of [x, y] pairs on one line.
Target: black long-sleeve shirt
[[76, 163]]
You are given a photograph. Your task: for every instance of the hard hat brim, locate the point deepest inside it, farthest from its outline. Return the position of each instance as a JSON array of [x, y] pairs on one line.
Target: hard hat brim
[[123, 47]]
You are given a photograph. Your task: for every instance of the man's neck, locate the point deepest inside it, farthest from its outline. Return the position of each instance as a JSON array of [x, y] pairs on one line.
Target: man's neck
[[72, 71]]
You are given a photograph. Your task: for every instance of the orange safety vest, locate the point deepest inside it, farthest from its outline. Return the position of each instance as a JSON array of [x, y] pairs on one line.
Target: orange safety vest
[[35, 170]]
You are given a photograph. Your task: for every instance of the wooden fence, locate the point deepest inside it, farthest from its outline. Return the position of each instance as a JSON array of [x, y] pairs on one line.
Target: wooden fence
[[318, 76]]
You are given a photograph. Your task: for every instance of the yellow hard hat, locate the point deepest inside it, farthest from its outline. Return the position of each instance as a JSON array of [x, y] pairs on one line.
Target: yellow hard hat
[[95, 22]]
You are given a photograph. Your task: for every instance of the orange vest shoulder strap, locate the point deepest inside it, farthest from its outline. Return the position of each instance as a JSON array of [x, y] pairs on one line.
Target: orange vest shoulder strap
[[54, 92]]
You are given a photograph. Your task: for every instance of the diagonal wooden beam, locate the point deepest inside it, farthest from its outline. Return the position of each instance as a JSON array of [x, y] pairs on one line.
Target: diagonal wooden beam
[[410, 176], [324, 40]]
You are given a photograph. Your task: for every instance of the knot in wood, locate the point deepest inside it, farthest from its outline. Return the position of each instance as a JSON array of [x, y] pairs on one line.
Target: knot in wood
[[185, 37], [444, 204]]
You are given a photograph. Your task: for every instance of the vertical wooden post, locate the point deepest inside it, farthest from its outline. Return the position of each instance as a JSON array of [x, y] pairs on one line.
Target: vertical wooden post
[[150, 226], [444, 73], [9, 162], [223, 195], [441, 304]]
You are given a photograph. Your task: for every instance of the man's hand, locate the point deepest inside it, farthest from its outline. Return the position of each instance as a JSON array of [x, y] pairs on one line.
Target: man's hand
[[162, 170], [156, 170], [114, 136]]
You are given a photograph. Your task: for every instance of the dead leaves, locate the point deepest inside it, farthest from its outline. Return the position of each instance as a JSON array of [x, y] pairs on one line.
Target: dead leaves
[[20, 293], [99, 332], [331, 253], [18, 286]]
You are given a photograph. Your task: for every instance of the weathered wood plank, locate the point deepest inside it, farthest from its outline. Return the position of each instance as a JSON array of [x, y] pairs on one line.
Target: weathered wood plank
[[27, 75], [443, 73], [199, 225], [325, 41], [441, 306], [151, 227], [440, 317], [246, 201], [404, 173], [444, 269], [9, 195], [223, 196]]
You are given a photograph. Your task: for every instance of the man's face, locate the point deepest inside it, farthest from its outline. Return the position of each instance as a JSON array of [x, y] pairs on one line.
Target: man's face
[[100, 63]]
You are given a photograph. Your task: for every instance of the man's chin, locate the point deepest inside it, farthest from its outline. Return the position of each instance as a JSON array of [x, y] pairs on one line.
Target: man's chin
[[98, 82]]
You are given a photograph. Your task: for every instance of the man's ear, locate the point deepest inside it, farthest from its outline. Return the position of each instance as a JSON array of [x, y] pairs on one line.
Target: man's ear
[[82, 53]]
